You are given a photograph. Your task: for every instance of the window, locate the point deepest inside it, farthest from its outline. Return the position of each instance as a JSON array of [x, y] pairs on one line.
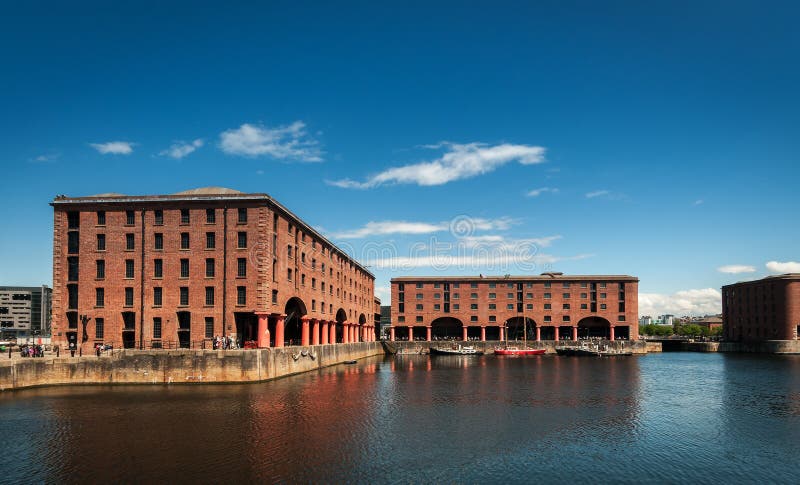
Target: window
[[473, 285], [473, 318], [565, 285], [621, 318], [492, 285], [184, 296], [437, 306], [565, 318], [289, 274], [209, 327], [184, 240], [99, 297], [129, 296], [101, 218], [492, 296], [529, 306], [473, 306], [73, 245], [211, 240], [130, 218], [548, 318], [184, 268], [419, 285], [456, 306], [158, 242], [159, 217], [241, 240], [547, 296], [99, 323], [437, 296], [548, 306], [510, 306], [547, 284], [583, 285], [158, 295], [565, 306], [101, 268], [418, 296], [419, 319], [492, 306], [289, 250], [158, 268], [72, 268], [602, 285], [584, 306], [129, 268], [156, 327], [456, 296], [242, 213], [184, 216], [401, 307], [241, 267], [565, 295], [130, 244], [419, 307], [241, 295], [621, 306], [314, 283], [583, 295], [492, 318], [510, 296], [602, 306], [210, 267], [211, 216], [473, 296], [101, 242], [209, 296], [72, 291], [602, 295]]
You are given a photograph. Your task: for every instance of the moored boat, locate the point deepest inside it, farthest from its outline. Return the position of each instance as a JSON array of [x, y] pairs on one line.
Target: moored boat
[[456, 350], [516, 351]]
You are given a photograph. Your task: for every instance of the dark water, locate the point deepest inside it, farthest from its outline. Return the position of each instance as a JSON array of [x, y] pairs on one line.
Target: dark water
[[673, 417]]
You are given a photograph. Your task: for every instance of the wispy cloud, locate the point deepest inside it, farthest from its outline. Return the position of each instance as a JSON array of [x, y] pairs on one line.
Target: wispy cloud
[[476, 261], [538, 192], [706, 301], [698, 202], [114, 147], [597, 193], [48, 157], [783, 267], [460, 161], [736, 269], [290, 142], [180, 149], [459, 225]]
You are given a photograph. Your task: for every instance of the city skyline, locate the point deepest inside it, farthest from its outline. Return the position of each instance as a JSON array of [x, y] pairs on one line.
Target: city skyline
[[654, 141]]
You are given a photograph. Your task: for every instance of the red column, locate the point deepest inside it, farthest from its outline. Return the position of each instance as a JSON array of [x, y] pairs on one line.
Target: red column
[[502, 333], [464, 331], [428, 333], [315, 332], [612, 333], [575, 333], [332, 333], [304, 334], [279, 321], [538, 333], [263, 330], [324, 332], [346, 333], [391, 334], [556, 328], [483, 333]]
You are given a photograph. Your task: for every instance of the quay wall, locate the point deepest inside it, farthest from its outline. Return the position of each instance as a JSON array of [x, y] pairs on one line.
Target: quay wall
[[637, 346], [178, 366], [765, 347]]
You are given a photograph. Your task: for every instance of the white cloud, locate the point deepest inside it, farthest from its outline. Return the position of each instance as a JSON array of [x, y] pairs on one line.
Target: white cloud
[[706, 301], [459, 225], [499, 261], [508, 244], [180, 149], [460, 161], [785, 267], [597, 193], [114, 147], [290, 142], [49, 157], [538, 192], [384, 293], [736, 268], [698, 202]]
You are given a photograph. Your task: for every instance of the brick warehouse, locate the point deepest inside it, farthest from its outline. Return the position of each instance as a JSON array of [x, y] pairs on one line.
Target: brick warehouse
[[555, 306], [760, 310], [167, 271]]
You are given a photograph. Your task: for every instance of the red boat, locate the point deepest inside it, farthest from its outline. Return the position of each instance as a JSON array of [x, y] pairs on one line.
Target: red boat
[[516, 351]]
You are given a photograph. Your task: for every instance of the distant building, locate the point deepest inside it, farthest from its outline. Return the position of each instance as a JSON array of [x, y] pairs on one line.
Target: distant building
[[710, 322], [645, 320], [666, 319], [765, 309], [386, 321], [24, 311]]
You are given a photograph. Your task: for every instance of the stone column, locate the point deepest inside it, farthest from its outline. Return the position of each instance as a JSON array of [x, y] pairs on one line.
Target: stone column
[[556, 329], [483, 333], [464, 332], [575, 333], [538, 333], [280, 320], [391, 334], [315, 332], [332, 332], [502, 333], [263, 330], [324, 332], [304, 332], [428, 333], [346, 333], [611, 337]]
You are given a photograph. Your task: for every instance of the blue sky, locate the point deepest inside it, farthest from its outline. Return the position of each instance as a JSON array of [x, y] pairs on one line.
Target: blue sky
[[665, 133]]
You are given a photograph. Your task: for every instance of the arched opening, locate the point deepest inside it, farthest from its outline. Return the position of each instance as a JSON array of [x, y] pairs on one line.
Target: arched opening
[[594, 327], [341, 317], [362, 320], [417, 333], [293, 324], [517, 327], [447, 328]]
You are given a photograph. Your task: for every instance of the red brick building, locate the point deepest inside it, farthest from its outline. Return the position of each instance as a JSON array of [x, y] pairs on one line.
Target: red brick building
[[176, 270], [765, 309], [555, 307]]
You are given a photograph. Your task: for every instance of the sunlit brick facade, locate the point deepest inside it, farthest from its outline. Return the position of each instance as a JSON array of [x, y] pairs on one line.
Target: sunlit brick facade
[[765, 309]]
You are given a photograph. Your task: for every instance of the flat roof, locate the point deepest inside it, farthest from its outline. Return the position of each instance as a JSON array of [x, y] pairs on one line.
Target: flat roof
[[786, 276], [203, 194], [542, 277]]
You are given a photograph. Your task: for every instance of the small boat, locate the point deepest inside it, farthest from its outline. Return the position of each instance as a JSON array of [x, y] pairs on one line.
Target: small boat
[[456, 350], [592, 350], [516, 351], [350, 362]]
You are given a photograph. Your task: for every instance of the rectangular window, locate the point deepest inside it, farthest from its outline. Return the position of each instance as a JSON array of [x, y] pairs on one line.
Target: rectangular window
[[130, 244], [529, 306], [419, 285], [473, 306], [184, 216], [72, 268], [101, 242], [158, 296], [510, 306], [456, 296], [547, 296], [184, 296], [241, 240], [584, 306], [419, 319], [72, 297], [99, 297], [158, 268], [473, 296], [621, 318], [184, 240], [602, 295], [130, 218], [565, 295], [584, 295], [565, 285], [565, 318], [473, 318], [99, 329], [492, 306], [209, 295], [275, 299], [156, 327], [211, 216], [129, 296], [510, 296], [456, 306], [547, 284], [211, 240], [73, 243], [419, 307], [602, 306], [242, 212], [209, 267], [548, 318], [584, 285], [565, 306], [241, 295], [401, 307], [209, 327], [101, 218], [241, 267], [621, 306], [437, 296], [492, 318], [548, 306], [289, 274], [492, 285], [159, 217], [129, 268], [492, 296], [184, 268], [158, 241], [437, 307], [101, 268]]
